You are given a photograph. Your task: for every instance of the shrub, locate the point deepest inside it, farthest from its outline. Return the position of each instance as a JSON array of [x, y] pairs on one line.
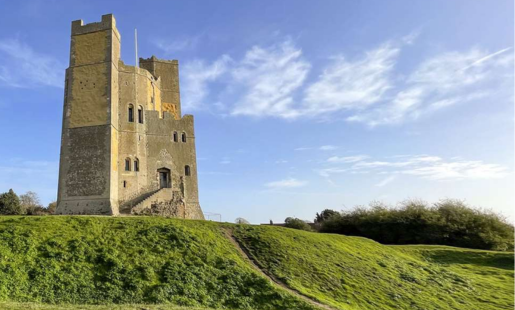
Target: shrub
[[51, 207], [241, 220], [325, 215], [296, 223], [10, 204], [447, 222]]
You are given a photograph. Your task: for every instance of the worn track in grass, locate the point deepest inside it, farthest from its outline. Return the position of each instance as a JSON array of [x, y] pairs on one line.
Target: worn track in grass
[[255, 264]]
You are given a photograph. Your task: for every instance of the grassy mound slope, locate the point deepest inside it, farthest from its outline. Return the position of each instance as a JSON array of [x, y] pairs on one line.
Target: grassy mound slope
[[166, 262], [358, 273], [35, 306], [102, 260]]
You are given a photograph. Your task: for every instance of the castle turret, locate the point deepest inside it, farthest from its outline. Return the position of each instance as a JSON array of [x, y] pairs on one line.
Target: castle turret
[[168, 72], [87, 172]]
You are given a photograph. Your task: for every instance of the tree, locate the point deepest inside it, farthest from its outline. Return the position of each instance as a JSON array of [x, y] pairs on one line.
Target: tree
[[10, 204], [241, 220], [325, 215], [31, 204], [51, 207], [296, 223]]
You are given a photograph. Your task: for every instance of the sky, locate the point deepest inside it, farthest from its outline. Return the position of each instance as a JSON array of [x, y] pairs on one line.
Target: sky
[[299, 105]]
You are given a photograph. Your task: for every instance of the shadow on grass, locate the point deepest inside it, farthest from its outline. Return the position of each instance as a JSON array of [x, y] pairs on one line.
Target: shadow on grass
[[486, 259]]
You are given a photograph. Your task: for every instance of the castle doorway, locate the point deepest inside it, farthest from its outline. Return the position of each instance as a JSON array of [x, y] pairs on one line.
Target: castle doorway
[[164, 178]]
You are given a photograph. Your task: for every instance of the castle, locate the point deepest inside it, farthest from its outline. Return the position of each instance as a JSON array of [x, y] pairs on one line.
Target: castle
[[125, 147]]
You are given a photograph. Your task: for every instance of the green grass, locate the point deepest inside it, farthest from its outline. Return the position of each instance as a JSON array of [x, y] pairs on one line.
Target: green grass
[[100, 263], [358, 273], [136, 260], [34, 306]]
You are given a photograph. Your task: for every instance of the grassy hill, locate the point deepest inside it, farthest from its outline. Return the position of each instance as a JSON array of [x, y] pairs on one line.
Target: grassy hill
[[169, 262]]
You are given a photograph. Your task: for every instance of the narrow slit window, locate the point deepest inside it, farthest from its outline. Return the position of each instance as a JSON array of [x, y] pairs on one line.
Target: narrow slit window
[[140, 114], [131, 113], [175, 137], [136, 164], [183, 137], [187, 170], [124, 184], [127, 164]]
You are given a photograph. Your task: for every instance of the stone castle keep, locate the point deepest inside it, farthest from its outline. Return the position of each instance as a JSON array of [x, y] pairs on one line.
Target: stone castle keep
[[125, 147]]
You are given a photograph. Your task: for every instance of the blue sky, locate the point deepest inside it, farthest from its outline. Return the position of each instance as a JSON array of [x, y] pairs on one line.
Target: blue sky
[[299, 105]]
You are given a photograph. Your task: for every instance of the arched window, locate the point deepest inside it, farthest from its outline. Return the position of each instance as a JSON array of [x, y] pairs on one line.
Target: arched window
[[140, 114], [183, 137], [175, 137], [127, 164], [187, 171], [131, 113], [136, 164]]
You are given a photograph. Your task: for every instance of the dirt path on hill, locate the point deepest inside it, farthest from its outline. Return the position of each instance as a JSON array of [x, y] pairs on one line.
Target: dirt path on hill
[[255, 264]]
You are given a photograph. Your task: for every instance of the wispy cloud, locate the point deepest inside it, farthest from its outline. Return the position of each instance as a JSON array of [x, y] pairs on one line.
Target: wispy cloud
[[269, 77], [386, 181], [172, 46], [479, 61], [439, 82], [23, 67], [272, 81], [459, 170], [262, 83], [347, 159], [196, 76], [424, 166], [327, 172], [286, 183], [328, 148], [350, 85]]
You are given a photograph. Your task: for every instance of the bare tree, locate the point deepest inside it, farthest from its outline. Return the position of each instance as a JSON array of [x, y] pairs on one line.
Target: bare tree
[[30, 203]]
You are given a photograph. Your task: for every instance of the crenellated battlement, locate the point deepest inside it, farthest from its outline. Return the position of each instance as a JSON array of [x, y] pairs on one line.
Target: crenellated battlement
[[122, 67], [155, 59], [108, 22]]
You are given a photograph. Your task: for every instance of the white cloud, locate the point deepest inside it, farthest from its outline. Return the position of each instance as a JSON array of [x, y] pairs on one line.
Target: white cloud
[[196, 76], [459, 170], [351, 85], [386, 181], [269, 77], [327, 172], [286, 183], [21, 66], [328, 148], [424, 166], [347, 159], [270, 81], [439, 82]]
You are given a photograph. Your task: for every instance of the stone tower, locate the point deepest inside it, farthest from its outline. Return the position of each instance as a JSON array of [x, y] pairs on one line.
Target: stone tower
[[125, 146]]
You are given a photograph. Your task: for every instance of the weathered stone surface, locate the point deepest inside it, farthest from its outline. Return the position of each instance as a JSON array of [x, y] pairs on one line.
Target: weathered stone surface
[[99, 137]]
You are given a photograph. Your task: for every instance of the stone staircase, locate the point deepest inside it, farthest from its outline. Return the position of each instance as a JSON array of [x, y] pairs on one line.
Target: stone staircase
[[127, 206], [162, 195]]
